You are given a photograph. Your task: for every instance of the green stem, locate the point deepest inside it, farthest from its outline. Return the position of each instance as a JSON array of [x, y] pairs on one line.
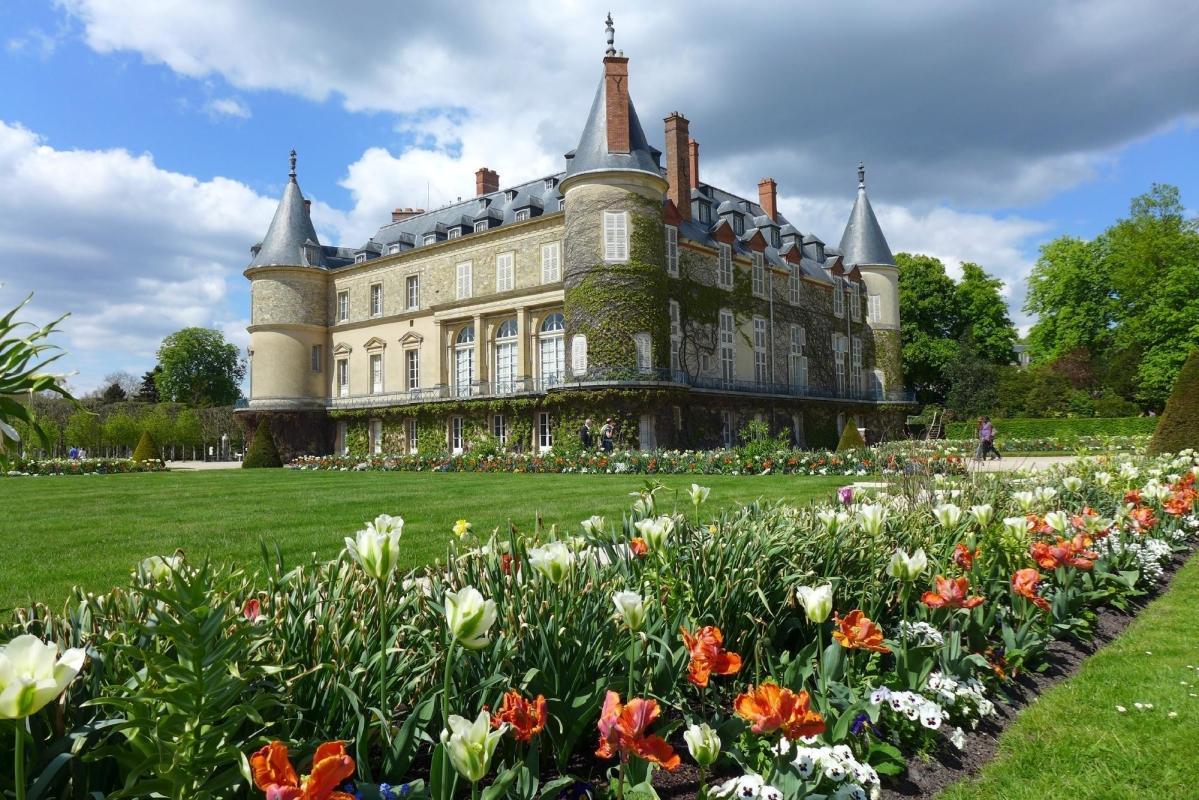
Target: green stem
[[632, 665], [382, 654], [19, 761], [620, 780], [703, 787], [474, 791], [445, 697]]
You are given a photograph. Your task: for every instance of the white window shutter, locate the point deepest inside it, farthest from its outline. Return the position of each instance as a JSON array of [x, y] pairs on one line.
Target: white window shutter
[[578, 355]]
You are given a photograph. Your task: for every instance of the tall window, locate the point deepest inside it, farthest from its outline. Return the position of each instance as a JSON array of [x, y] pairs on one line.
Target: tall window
[[724, 266], [874, 308], [343, 306], [643, 344], [838, 298], [760, 370], [464, 287], [676, 336], [552, 349], [794, 285], [504, 272], [578, 354], [505, 357], [343, 377], [410, 432], [551, 262], [376, 361], [412, 368], [855, 302], [728, 346], [376, 299], [318, 357], [375, 431], [545, 435], [726, 427], [616, 236], [839, 347], [456, 434], [499, 427], [464, 361], [412, 286], [672, 251], [759, 275], [855, 375], [342, 444], [799, 359]]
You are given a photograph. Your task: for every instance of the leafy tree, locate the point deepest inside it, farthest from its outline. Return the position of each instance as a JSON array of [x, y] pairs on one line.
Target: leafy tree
[[128, 384], [121, 430], [188, 431], [930, 323], [984, 315], [83, 429], [160, 426], [973, 384], [148, 389], [1070, 292], [199, 368], [113, 393]]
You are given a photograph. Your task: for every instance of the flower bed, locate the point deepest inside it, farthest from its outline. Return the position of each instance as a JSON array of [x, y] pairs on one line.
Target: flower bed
[[24, 467], [1049, 444], [892, 458], [772, 652]]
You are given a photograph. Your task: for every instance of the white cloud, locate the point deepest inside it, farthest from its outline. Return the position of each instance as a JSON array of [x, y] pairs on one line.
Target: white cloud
[[227, 107], [133, 251]]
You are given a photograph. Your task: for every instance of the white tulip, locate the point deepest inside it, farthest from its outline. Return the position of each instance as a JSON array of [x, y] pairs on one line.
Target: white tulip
[[159, 568], [376, 547], [907, 567], [1016, 526], [32, 674], [948, 515], [703, 743], [471, 744], [631, 609], [1046, 494], [1103, 478], [1072, 483], [1058, 520], [594, 525], [1025, 500], [982, 514], [554, 561], [655, 531], [871, 519], [817, 601], [833, 521], [699, 494], [469, 617]]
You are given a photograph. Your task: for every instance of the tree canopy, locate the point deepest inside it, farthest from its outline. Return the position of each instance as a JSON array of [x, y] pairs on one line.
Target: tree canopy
[[199, 367]]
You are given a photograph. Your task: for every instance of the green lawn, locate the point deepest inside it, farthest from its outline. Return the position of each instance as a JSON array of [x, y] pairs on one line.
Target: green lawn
[[91, 530], [1073, 742]]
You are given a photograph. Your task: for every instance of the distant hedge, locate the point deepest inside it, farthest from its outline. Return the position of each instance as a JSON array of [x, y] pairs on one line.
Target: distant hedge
[[1029, 428], [1179, 426], [262, 452]]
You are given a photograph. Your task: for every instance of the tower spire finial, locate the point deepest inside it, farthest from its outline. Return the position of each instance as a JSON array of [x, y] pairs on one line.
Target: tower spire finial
[[610, 29], [861, 175], [292, 173]]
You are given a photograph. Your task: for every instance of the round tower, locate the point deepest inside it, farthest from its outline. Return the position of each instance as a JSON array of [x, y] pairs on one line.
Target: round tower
[[289, 311], [615, 250], [864, 246]]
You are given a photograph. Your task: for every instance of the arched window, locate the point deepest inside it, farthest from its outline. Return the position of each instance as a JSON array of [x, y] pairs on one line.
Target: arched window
[[464, 361], [552, 349], [505, 357]]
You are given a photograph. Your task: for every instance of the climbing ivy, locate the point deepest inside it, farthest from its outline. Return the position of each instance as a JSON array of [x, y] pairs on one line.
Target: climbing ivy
[[700, 302]]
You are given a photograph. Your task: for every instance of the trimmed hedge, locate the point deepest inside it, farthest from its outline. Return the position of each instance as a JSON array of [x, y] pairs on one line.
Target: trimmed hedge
[[1178, 428], [851, 438], [146, 449], [262, 452], [1061, 427]]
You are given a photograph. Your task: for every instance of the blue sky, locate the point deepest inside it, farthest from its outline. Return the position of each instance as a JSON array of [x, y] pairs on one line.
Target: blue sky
[[143, 143]]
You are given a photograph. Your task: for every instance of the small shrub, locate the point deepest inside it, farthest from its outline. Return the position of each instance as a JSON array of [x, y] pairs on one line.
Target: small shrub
[[1178, 427], [851, 438], [146, 450], [262, 452]]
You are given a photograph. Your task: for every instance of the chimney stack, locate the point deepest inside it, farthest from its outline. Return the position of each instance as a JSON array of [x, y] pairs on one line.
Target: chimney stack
[[678, 166], [401, 214], [693, 153], [308, 207], [616, 92], [486, 181], [768, 198]]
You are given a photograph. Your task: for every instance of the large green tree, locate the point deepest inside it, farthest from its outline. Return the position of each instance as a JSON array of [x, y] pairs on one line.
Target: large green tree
[[199, 368], [983, 315], [930, 323], [1070, 292]]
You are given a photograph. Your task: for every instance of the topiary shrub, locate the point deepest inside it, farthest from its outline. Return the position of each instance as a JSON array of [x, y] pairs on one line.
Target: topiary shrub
[[262, 452], [851, 438], [1178, 427], [146, 450]]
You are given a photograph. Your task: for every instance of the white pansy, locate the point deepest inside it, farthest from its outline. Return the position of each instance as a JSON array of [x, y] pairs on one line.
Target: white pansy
[[958, 738]]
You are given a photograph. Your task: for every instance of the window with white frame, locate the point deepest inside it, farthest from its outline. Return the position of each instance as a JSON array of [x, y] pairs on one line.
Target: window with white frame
[[342, 443], [499, 429], [412, 287], [343, 306], [464, 280], [505, 357], [410, 432], [545, 435], [430, 238], [676, 336], [855, 375], [616, 236], [375, 431], [453, 233], [551, 349], [318, 357], [480, 226], [464, 361], [855, 302], [521, 215], [376, 299], [343, 377], [761, 375], [794, 285], [412, 368], [759, 275], [874, 308], [561, 203], [360, 258], [839, 357], [838, 298], [672, 251], [551, 262], [504, 272], [724, 266], [728, 345], [726, 427], [376, 362], [799, 358], [392, 249], [643, 347], [456, 434]]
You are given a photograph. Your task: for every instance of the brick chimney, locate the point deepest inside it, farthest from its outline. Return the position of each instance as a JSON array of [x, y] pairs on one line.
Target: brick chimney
[[693, 157], [486, 181], [308, 206], [678, 167], [401, 214], [768, 197], [616, 90]]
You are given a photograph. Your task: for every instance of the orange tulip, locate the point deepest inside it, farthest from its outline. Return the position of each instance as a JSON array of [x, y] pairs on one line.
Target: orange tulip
[[769, 708], [638, 547], [856, 632], [951, 593], [622, 730], [708, 655], [1024, 583], [1063, 553], [274, 774], [963, 556], [525, 718], [1142, 518]]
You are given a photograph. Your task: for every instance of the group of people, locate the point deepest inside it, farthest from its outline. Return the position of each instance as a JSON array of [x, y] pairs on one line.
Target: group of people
[[986, 440], [606, 434]]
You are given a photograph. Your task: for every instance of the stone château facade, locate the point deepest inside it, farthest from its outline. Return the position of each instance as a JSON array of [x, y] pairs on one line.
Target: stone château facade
[[618, 287]]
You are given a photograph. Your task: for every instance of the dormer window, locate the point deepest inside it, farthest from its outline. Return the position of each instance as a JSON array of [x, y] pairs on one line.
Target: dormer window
[[392, 249], [775, 240], [704, 212], [549, 184], [510, 194], [430, 238], [738, 224], [561, 203], [359, 258], [453, 233], [312, 254], [522, 215], [480, 226]]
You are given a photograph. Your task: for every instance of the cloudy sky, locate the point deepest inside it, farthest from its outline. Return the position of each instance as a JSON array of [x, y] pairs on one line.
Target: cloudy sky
[[143, 143]]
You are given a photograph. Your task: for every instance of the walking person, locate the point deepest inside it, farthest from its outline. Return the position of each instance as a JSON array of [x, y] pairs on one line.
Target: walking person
[[986, 433], [585, 435], [606, 434]]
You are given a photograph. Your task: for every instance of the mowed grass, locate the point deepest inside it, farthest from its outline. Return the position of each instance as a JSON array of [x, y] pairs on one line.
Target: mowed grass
[[1073, 742], [90, 531]]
